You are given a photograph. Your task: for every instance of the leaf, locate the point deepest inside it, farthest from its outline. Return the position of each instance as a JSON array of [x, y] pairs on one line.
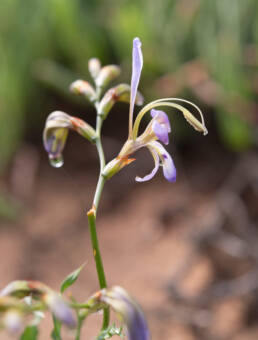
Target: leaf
[[109, 332], [70, 279], [30, 333]]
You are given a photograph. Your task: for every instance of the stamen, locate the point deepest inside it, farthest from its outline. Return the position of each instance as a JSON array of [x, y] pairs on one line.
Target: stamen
[[199, 126]]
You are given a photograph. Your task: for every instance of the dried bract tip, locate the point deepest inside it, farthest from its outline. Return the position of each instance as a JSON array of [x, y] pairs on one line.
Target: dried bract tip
[[115, 166], [94, 66], [84, 88], [107, 74]]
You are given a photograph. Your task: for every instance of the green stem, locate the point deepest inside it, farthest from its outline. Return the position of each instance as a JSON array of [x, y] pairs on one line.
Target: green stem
[[92, 217], [78, 330], [96, 251]]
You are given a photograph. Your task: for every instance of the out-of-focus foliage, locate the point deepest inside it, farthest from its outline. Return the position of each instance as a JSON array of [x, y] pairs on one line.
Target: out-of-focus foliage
[[207, 48]]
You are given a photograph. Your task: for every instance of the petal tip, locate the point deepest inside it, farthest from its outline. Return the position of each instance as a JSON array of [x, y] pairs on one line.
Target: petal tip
[[137, 42]]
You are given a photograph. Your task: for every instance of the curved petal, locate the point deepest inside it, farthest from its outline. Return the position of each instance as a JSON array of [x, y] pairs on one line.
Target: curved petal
[[169, 169], [136, 74], [155, 169]]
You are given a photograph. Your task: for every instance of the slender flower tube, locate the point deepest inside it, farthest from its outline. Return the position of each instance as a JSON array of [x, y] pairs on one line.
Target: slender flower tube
[[157, 129]]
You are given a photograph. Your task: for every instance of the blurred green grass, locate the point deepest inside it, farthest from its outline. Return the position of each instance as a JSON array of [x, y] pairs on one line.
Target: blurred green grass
[[177, 36]]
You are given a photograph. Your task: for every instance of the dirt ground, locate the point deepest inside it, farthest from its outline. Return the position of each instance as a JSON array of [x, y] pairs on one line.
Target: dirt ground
[[150, 240]]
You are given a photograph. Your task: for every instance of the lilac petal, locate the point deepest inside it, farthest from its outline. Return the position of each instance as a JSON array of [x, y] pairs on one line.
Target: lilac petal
[[155, 169], [169, 169], [162, 118], [136, 70], [161, 132]]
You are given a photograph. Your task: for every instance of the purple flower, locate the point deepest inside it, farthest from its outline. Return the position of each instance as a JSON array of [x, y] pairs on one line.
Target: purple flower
[[56, 131], [157, 129], [126, 308]]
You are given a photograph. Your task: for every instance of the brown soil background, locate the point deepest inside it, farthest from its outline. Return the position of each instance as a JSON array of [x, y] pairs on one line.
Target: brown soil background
[[145, 234]]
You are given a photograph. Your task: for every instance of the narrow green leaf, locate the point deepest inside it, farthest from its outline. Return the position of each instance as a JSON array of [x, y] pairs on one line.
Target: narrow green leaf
[[30, 333], [70, 279]]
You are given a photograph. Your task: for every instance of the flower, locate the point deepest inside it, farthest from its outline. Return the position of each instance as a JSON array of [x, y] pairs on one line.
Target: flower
[[56, 132], [35, 289], [128, 310], [157, 129]]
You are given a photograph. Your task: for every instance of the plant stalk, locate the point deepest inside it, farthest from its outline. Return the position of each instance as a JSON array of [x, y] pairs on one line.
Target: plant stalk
[[92, 217]]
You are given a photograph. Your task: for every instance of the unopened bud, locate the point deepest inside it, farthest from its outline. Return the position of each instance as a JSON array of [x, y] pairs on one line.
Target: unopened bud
[[83, 88], [12, 321], [107, 74], [17, 288], [56, 132], [60, 309], [119, 93], [94, 66]]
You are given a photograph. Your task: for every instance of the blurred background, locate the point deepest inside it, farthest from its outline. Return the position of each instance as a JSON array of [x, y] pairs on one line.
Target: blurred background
[[194, 242]]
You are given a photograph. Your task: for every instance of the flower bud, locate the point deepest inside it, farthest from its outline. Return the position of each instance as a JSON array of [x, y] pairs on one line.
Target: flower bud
[[107, 74], [94, 66], [56, 132], [59, 308], [52, 300], [17, 288], [119, 93], [84, 88], [12, 321]]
